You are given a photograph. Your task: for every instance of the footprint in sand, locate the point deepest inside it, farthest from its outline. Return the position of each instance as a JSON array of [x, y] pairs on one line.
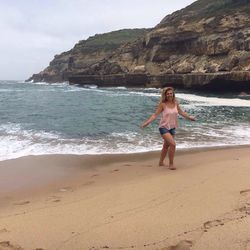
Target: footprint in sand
[[127, 165], [6, 245], [53, 198], [22, 203], [95, 175], [245, 209], [214, 223], [88, 183], [248, 246], [58, 200], [245, 192], [115, 170], [66, 189], [4, 230], [182, 245]]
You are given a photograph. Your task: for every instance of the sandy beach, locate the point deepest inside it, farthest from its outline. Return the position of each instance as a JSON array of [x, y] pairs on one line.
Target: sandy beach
[[126, 201]]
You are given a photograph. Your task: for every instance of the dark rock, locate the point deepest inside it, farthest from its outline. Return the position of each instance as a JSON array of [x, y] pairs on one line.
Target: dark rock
[[244, 62], [129, 80], [211, 68], [184, 68], [228, 81], [229, 64], [169, 71]]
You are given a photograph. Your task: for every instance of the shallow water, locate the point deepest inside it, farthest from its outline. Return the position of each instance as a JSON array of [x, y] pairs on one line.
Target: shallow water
[[46, 118]]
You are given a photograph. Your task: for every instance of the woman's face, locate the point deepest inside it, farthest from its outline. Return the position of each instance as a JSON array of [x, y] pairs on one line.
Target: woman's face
[[169, 95]]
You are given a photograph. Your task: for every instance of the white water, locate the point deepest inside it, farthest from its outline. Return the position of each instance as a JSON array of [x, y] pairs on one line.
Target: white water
[[16, 140]]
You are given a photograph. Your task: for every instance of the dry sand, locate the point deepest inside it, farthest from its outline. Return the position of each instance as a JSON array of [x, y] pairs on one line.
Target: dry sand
[[127, 202]]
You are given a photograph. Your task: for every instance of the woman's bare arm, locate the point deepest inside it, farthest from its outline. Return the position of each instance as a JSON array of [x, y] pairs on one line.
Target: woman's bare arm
[[154, 116], [184, 114]]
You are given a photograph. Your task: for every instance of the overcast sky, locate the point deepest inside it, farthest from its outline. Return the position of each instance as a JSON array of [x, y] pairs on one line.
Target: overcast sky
[[33, 31]]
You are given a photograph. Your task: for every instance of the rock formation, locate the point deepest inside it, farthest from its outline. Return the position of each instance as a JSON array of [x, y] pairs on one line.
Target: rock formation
[[88, 56], [204, 46]]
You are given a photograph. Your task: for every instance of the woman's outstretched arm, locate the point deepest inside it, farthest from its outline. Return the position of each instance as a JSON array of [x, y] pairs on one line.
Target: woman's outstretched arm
[[184, 114], [153, 116]]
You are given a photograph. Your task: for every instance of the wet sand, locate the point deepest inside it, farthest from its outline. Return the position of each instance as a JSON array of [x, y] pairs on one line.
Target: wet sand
[[127, 201]]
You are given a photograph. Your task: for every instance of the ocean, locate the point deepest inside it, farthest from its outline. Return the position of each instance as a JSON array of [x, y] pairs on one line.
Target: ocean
[[42, 118]]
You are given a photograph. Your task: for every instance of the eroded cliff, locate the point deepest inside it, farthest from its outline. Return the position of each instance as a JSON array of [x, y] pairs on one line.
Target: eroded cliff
[[200, 46]]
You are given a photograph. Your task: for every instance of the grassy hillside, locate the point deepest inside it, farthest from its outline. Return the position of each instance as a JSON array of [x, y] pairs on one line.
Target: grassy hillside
[[206, 8], [110, 40], [215, 7]]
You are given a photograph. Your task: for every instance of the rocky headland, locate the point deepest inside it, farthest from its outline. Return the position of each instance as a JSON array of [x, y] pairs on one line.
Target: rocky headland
[[203, 46]]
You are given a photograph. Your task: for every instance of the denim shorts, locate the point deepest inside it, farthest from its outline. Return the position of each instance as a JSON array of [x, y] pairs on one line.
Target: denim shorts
[[165, 130]]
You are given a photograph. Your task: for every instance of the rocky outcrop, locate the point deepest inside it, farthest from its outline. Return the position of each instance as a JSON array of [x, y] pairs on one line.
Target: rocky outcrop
[[202, 46], [228, 81], [88, 56]]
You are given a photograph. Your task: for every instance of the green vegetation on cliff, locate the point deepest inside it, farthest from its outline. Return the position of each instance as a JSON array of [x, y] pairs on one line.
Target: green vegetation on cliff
[[205, 9], [214, 7], [111, 40]]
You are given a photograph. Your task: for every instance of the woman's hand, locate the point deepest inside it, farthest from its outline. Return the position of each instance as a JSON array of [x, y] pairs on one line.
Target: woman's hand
[[153, 116], [144, 125], [192, 118]]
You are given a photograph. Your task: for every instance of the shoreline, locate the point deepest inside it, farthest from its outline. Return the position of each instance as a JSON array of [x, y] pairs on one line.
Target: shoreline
[[36, 172], [178, 150], [127, 201]]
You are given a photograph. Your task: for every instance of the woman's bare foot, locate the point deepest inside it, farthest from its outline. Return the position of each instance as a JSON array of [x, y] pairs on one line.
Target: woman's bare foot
[[172, 167], [162, 164]]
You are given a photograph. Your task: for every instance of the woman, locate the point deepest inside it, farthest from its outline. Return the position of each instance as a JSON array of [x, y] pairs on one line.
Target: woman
[[169, 108]]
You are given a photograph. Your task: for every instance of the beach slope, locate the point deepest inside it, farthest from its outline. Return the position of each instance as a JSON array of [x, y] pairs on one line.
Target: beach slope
[[129, 202]]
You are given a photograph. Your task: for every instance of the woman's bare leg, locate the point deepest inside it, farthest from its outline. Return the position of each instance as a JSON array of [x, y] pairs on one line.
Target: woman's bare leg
[[164, 152], [171, 152]]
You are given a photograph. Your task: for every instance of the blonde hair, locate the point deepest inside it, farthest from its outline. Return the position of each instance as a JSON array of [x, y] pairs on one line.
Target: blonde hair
[[163, 94]]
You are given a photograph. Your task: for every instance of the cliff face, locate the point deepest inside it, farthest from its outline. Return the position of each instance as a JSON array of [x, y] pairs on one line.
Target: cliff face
[[88, 56], [189, 41], [207, 43]]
